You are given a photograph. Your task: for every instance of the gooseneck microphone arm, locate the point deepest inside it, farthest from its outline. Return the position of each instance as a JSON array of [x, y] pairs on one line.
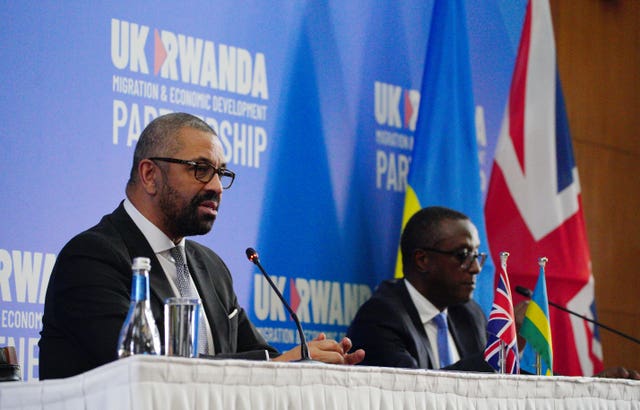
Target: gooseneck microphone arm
[[304, 349], [527, 293]]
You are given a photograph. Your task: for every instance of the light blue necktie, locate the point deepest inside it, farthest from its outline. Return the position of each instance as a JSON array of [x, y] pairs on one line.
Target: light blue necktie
[[443, 339], [183, 280]]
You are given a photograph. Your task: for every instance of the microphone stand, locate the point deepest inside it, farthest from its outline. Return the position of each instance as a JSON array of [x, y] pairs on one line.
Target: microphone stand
[[527, 293], [304, 348]]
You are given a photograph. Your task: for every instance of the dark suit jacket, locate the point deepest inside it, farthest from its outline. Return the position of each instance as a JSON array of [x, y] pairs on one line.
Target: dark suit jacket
[[89, 294], [390, 331]]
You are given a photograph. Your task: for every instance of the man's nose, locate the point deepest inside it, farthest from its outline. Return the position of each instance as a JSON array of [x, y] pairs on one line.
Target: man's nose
[[215, 184], [474, 267]]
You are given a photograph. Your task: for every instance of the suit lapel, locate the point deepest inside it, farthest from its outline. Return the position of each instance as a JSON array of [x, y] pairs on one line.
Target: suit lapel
[[137, 245], [423, 347], [465, 339], [213, 307]]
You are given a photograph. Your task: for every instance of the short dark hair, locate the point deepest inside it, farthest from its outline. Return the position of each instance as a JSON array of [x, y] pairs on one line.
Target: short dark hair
[[156, 140], [423, 229]]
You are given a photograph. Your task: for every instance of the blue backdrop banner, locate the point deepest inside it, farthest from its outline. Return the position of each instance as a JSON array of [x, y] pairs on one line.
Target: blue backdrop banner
[[316, 106]]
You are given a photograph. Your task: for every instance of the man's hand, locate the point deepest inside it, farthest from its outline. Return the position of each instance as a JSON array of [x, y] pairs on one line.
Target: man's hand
[[619, 373], [328, 351], [350, 358]]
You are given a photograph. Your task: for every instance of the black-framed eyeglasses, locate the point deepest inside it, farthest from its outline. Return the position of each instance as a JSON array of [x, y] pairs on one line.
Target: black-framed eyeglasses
[[464, 256], [204, 171]]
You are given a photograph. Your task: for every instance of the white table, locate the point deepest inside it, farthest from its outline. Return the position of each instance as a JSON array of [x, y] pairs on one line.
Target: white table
[[145, 382]]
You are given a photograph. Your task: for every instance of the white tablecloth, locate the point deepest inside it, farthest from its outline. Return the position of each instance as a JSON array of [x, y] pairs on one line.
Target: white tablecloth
[[145, 382]]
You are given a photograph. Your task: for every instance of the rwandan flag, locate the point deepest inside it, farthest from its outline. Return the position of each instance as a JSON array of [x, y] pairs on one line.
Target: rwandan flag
[[536, 329], [444, 168]]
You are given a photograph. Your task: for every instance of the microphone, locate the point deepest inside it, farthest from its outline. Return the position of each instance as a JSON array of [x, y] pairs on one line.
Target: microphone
[[528, 293], [304, 349]]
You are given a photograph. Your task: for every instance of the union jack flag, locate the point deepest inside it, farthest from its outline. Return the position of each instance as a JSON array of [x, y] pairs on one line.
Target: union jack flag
[[534, 205], [501, 328]]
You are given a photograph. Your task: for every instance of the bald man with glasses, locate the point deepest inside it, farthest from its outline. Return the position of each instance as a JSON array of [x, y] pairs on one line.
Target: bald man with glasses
[[174, 191]]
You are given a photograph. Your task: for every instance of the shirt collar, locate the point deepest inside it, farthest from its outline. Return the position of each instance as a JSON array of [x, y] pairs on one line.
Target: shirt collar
[[426, 310], [157, 239]]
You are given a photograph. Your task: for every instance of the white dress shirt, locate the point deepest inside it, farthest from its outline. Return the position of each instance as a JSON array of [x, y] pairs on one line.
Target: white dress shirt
[[161, 246], [427, 311]]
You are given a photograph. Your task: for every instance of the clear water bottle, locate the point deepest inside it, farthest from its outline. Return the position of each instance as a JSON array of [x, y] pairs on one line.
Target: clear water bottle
[[139, 333]]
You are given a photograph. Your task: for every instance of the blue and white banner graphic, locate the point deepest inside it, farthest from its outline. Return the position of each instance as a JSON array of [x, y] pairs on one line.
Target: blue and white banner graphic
[[316, 106]]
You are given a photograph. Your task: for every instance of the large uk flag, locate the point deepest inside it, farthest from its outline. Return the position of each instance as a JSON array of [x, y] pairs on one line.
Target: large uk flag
[[533, 205]]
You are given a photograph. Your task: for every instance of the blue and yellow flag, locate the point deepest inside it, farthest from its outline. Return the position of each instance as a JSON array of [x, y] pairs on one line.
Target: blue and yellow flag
[[536, 328], [444, 168]]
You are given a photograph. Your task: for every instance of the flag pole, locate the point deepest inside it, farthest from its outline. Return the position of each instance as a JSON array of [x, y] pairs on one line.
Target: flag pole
[[502, 362], [542, 262], [502, 358]]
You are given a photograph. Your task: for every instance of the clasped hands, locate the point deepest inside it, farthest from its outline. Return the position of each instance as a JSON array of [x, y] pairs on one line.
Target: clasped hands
[[325, 350]]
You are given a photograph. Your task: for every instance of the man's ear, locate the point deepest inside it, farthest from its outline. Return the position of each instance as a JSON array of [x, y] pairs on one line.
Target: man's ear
[[149, 174], [421, 260]]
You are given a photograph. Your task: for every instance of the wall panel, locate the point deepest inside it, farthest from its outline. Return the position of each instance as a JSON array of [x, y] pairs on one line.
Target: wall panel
[[598, 47]]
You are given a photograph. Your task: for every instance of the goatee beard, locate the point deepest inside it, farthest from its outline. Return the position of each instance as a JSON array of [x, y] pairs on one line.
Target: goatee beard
[[185, 221]]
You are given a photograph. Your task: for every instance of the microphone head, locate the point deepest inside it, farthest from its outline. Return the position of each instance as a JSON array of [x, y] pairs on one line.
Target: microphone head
[[252, 255], [524, 291]]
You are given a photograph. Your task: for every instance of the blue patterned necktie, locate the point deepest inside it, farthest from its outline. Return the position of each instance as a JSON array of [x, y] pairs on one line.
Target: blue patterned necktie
[[183, 280], [443, 339]]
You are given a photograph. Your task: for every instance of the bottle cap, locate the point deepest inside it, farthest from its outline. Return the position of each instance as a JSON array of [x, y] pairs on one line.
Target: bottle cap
[[141, 263]]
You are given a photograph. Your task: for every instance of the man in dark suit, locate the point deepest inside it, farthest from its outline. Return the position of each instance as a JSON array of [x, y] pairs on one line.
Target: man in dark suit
[[176, 183], [440, 261], [398, 327]]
